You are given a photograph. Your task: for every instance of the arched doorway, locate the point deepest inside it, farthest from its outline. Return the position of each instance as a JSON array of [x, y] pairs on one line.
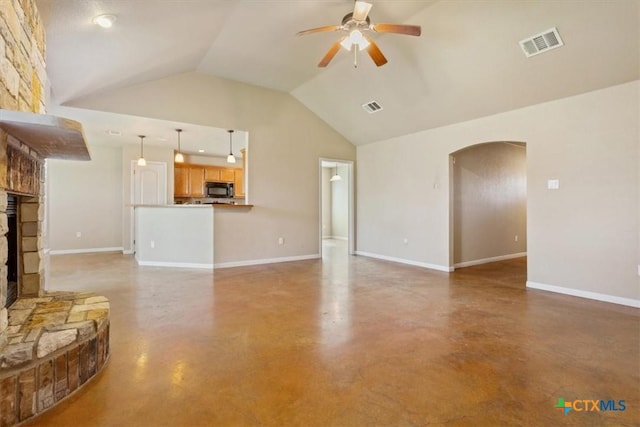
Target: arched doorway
[[488, 202]]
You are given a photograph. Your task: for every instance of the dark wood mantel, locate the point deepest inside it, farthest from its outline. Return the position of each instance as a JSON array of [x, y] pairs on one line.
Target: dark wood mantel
[[50, 136]]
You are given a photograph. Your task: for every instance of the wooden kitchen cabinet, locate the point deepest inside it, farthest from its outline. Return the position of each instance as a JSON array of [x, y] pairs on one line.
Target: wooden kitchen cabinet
[[196, 181], [227, 175], [238, 183], [189, 179], [218, 174], [211, 173], [181, 181], [238, 186]]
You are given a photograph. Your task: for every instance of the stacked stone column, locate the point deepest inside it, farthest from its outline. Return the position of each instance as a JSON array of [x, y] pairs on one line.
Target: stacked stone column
[[4, 322], [22, 80]]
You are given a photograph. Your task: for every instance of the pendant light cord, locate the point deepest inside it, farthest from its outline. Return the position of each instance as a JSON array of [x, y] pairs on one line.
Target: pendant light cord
[[141, 146]]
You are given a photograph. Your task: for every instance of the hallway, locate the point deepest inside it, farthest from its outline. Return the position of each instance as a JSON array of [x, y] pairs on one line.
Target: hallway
[[350, 342]]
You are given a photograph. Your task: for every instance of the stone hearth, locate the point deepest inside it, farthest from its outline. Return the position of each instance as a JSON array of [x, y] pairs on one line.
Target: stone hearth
[[57, 342]]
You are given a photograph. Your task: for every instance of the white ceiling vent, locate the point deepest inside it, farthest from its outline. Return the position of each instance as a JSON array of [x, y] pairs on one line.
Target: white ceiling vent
[[542, 42], [372, 107]]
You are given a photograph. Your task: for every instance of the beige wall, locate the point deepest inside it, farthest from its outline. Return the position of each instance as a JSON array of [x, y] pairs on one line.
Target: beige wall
[[86, 197], [583, 236], [286, 142], [489, 202]]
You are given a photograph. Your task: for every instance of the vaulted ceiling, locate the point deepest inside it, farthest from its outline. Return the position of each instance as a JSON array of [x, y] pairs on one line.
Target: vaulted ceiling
[[467, 63]]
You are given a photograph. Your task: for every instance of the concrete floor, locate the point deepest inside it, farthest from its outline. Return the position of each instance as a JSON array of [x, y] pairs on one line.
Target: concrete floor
[[350, 341]]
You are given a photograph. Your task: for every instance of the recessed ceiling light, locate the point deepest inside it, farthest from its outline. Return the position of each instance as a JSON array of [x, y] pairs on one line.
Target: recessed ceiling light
[[114, 132], [162, 138], [200, 151], [105, 21]]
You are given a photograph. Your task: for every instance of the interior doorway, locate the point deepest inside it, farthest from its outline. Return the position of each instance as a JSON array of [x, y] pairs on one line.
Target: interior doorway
[[488, 197], [336, 208]]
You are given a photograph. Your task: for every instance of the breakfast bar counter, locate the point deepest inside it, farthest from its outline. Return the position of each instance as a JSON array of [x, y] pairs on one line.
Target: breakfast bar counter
[[179, 235]]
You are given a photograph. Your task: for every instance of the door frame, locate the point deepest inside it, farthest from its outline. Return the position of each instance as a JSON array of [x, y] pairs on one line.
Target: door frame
[[351, 205], [132, 198]]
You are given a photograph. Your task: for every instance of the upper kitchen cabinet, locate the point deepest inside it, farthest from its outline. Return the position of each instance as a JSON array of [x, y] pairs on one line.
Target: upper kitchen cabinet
[[181, 180], [188, 180], [227, 175], [196, 181], [239, 176], [219, 174], [211, 173]]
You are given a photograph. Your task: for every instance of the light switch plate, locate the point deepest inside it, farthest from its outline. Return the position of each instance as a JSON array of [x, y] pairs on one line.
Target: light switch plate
[[553, 184]]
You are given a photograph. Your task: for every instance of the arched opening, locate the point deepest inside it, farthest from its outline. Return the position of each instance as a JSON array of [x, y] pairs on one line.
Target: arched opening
[[488, 203]]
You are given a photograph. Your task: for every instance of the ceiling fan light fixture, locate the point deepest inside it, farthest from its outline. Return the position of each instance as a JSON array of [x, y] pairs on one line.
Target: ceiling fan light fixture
[[346, 43], [355, 37], [363, 44], [354, 24]]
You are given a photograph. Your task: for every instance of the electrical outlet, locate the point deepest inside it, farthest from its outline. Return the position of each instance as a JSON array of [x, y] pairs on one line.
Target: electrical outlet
[[405, 241], [515, 239], [152, 244], [78, 234], [281, 240]]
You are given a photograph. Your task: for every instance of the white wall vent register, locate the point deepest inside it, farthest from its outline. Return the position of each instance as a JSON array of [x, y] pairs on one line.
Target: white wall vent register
[[372, 107], [542, 42]]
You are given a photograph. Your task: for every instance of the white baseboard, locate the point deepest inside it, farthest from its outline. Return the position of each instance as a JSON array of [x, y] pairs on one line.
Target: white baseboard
[[173, 264], [584, 294], [265, 261], [488, 260], [84, 251], [406, 261], [127, 252]]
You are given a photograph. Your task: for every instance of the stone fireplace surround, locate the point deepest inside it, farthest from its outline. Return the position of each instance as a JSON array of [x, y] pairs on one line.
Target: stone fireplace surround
[[50, 343]]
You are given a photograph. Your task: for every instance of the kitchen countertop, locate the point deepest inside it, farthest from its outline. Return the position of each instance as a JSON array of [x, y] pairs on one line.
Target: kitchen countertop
[[196, 205]]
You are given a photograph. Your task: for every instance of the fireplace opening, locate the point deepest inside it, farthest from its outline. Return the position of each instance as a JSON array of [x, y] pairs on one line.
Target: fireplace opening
[[12, 249]]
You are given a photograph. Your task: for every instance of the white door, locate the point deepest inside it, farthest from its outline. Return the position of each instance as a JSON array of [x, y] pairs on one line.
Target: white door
[[148, 187], [150, 184]]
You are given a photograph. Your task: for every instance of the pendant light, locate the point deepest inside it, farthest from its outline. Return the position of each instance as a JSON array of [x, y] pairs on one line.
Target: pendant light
[[230, 158], [179, 158], [141, 160], [337, 176]]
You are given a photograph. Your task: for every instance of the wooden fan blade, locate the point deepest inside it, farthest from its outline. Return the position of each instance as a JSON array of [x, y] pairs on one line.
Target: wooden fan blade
[[330, 54], [375, 53], [361, 10], [409, 30], [326, 29]]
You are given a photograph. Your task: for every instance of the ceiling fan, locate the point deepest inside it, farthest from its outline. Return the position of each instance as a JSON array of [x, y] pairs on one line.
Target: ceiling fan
[[356, 24]]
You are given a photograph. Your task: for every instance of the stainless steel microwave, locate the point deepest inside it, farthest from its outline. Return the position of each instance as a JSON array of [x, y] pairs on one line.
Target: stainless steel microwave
[[219, 189]]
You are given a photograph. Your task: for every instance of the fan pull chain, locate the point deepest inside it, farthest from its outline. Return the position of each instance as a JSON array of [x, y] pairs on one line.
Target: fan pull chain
[[355, 56]]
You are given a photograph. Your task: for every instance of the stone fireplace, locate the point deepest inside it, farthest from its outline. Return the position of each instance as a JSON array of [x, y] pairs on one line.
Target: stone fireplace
[[51, 343], [21, 251]]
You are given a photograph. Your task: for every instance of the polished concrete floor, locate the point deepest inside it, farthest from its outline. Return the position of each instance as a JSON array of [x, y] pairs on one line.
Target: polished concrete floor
[[348, 341]]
